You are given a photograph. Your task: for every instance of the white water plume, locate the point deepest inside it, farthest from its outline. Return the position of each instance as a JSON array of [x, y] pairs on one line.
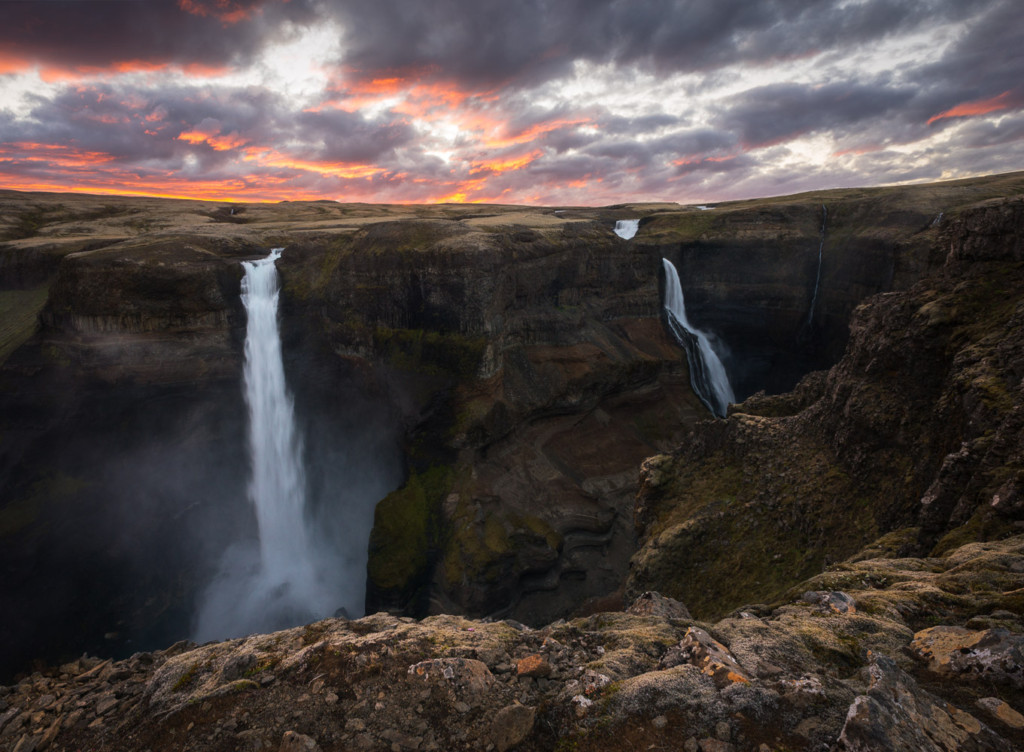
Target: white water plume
[[286, 580], [707, 373], [626, 228]]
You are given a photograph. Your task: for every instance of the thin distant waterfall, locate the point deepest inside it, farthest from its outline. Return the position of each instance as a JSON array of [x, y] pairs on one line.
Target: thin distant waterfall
[[817, 280], [626, 228], [286, 581], [707, 374]]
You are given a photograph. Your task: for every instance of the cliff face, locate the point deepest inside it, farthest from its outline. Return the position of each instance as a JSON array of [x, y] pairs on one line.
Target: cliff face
[[914, 435], [778, 280], [537, 375], [516, 356]]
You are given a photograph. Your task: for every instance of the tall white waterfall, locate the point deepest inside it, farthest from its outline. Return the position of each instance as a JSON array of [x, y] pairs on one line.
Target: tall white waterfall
[[817, 280], [276, 488], [626, 228], [707, 374], [281, 584]]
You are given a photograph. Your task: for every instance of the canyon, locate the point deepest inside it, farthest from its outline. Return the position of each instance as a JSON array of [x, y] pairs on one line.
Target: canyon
[[499, 384]]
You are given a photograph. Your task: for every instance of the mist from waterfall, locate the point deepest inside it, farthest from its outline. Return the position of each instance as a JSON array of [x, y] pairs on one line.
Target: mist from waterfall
[[707, 373], [288, 577]]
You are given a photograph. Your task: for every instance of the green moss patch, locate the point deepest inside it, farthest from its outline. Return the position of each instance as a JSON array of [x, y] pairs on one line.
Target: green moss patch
[[405, 530], [431, 352], [19, 317], [21, 513]]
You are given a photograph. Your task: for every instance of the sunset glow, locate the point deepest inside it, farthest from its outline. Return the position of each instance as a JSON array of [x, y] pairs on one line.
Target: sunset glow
[[282, 99]]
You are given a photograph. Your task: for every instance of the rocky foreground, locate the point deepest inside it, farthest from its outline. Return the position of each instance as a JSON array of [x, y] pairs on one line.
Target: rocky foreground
[[881, 654]]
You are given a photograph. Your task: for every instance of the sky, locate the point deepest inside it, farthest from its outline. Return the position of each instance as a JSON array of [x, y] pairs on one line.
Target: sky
[[553, 102]]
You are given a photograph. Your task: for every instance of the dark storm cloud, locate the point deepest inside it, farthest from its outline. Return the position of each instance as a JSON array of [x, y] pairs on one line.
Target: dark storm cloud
[[349, 137], [115, 119], [73, 34], [771, 114], [987, 133], [198, 128], [986, 60], [464, 97], [493, 43]]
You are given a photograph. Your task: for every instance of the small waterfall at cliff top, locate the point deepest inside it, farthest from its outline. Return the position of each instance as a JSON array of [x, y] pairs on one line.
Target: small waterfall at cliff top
[[707, 374], [626, 228], [284, 581], [817, 280]]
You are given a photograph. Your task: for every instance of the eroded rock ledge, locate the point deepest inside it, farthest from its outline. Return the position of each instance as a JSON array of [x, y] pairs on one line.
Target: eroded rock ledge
[[913, 440], [840, 666]]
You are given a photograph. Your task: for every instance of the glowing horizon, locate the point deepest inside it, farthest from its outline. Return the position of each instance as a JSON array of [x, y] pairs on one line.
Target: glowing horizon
[[284, 100]]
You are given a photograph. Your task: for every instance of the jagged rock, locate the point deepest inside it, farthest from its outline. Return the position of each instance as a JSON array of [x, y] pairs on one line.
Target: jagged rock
[[992, 654], [837, 602], [713, 659], [655, 604], [1001, 712], [926, 396], [896, 714], [295, 742], [786, 679], [465, 673], [512, 724], [28, 743], [533, 666]]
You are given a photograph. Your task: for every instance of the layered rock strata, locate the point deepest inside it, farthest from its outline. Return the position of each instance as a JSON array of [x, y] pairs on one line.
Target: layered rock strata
[[914, 435]]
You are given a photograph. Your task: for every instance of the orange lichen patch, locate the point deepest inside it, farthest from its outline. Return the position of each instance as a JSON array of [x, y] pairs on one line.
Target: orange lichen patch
[[533, 665], [712, 658], [1007, 100]]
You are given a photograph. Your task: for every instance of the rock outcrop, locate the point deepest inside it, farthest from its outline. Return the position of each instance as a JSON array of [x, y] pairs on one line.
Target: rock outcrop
[[914, 435], [799, 676]]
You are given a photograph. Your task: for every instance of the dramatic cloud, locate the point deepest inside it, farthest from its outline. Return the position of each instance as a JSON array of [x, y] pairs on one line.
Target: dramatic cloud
[[553, 101]]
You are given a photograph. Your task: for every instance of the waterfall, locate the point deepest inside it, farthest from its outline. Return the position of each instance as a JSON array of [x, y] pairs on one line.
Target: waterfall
[[626, 228], [817, 280], [707, 374], [286, 580], [276, 488]]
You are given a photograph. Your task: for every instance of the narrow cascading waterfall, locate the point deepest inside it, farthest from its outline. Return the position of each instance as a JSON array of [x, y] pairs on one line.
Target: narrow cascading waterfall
[[285, 580], [626, 228], [817, 280], [707, 373]]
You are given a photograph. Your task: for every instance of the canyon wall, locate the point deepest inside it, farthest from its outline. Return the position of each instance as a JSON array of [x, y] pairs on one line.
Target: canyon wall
[[516, 359]]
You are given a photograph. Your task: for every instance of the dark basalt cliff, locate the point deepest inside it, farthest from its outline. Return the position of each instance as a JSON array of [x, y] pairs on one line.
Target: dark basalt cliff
[[916, 435], [517, 362]]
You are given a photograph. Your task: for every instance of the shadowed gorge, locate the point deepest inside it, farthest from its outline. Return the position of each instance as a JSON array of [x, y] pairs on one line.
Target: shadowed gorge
[[503, 384]]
